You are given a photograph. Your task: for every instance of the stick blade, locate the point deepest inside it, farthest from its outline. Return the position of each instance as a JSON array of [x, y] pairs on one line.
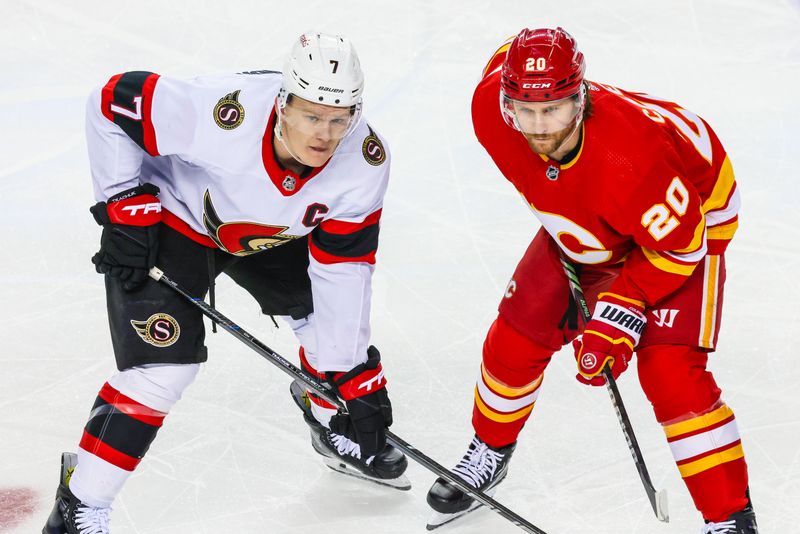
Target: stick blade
[[661, 506]]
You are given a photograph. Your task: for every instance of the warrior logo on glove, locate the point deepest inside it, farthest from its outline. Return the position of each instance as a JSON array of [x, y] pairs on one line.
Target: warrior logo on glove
[[610, 338]]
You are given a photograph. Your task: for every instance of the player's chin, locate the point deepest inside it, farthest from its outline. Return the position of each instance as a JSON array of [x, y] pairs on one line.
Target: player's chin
[[542, 146], [317, 156]]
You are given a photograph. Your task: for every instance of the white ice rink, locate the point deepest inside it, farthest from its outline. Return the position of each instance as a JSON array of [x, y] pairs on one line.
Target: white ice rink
[[234, 455]]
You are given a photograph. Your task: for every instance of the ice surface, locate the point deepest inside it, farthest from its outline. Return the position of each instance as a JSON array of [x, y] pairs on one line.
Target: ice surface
[[234, 456]]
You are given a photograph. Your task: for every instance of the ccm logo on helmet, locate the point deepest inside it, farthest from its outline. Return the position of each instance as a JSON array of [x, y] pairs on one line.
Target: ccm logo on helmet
[[536, 85], [152, 207]]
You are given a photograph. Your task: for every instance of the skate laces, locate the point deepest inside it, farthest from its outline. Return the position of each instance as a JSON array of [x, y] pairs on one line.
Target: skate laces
[[479, 464], [723, 527], [91, 520], [347, 447]]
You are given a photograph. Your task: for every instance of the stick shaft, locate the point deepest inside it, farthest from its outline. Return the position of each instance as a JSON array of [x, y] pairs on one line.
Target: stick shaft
[[323, 391]]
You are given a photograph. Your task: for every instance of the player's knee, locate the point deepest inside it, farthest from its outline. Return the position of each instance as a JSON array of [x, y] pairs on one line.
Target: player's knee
[[675, 380], [505, 348], [157, 386]]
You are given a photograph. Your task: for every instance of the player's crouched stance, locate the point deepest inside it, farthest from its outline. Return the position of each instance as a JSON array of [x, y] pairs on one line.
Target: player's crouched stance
[[640, 195], [272, 179]]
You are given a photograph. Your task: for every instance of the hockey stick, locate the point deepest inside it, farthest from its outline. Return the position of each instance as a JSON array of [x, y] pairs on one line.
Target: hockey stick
[[658, 499], [298, 374]]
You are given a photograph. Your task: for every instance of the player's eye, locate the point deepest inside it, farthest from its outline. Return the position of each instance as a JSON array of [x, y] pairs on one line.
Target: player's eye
[[312, 118]]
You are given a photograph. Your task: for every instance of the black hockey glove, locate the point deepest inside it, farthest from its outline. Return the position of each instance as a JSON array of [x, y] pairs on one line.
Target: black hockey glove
[[129, 244], [369, 412]]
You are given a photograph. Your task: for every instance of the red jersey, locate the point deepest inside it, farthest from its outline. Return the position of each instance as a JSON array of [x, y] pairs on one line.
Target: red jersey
[[650, 186]]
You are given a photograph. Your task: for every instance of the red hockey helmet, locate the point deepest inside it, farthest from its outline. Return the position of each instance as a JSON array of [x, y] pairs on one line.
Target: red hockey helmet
[[542, 65]]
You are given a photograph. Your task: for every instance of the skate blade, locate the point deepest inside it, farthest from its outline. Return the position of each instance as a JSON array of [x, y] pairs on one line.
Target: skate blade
[[401, 483], [438, 519]]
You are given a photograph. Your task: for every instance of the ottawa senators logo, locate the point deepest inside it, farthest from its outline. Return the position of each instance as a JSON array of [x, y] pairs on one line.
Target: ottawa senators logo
[[229, 113], [159, 330], [373, 150], [241, 238]]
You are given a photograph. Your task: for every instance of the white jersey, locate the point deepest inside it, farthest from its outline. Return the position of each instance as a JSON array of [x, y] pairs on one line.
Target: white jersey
[[207, 144]]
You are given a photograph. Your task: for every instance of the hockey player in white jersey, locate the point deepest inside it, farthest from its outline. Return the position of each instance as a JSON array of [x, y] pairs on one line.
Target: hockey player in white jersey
[[274, 179]]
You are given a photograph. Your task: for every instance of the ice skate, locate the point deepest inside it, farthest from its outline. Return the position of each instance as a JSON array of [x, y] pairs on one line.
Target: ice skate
[[344, 455], [70, 515], [482, 467], [742, 522]]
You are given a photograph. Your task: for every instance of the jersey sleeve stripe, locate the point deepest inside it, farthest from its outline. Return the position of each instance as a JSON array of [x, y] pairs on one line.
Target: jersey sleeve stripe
[[148, 89], [127, 101], [498, 57], [107, 97], [329, 259], [727, 211], [359, 246], [670, 265], [333, 226], [724, 231], [723, 188], [698, 240]]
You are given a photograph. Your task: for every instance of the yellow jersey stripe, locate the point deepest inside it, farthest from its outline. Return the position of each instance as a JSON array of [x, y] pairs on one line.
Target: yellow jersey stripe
[[638, 303], [697, 423], [722, 188], [709, 310], [509, 391], [663, 264], [723, 231], [500, 417], [697, 240], [502, 50], [713, 460]]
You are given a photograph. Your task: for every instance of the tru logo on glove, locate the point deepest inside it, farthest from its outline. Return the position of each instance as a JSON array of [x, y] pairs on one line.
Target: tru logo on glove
[[610, 338]]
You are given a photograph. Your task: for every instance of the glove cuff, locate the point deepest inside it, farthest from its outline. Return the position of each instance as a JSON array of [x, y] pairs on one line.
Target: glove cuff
[[138, 206], [622, 313], [363, 379]]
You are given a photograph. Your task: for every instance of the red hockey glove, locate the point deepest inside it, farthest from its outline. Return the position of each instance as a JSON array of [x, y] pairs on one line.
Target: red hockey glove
[[129, 244], [369, 412], [609, 338]]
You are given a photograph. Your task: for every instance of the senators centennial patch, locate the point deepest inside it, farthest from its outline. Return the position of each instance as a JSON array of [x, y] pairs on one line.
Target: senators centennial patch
[[229, 113], [159, 330], [373, 150]]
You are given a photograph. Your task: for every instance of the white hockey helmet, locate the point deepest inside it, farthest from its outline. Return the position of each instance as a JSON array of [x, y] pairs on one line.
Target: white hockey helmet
[[324, 69]]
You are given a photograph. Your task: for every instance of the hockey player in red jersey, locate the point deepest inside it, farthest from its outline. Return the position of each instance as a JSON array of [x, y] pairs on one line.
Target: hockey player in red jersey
[[273, 179], [639, 194]]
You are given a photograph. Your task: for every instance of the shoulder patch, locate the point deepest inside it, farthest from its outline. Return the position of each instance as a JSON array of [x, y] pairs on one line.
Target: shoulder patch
[[373, 150], [229, 113]]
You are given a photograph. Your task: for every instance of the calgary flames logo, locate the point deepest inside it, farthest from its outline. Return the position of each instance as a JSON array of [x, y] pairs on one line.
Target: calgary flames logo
[[241, 238]]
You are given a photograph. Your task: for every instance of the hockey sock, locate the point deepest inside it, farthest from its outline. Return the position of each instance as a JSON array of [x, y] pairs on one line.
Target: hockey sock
[[124, 420], [320, 408], [701, 430], [511, 374]]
